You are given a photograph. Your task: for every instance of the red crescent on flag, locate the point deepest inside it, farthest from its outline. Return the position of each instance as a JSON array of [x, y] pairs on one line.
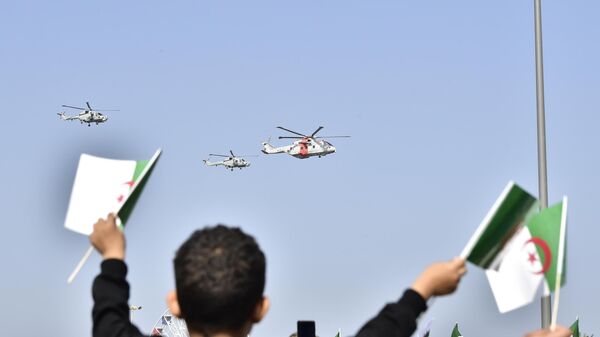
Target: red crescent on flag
[[547, 253]]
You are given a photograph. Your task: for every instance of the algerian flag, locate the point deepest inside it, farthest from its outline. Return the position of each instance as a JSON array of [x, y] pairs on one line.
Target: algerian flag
[[339, 333], [104, 186], [519, 247], [455, 332], [575, 328]]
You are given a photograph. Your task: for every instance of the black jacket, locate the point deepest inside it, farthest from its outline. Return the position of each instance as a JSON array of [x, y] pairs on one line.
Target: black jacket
[[396, 319], [111, 292], [110, 313]]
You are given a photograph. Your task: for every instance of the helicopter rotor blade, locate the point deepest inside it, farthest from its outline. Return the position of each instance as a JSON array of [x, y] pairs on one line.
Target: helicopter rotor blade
[[294, 132], [333, 137], [290, 137], [317, 130], [88, 105], [73, 107], [233, 155], [218, 155]]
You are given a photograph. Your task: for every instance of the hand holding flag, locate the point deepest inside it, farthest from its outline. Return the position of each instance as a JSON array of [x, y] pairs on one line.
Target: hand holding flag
[[108, 239], [104, 186], [440, 278]]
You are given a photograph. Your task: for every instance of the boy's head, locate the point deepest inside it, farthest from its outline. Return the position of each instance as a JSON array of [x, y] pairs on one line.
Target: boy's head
[[220, 279]]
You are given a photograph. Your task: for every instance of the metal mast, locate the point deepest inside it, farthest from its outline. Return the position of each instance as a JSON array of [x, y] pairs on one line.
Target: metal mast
[[541, 138]]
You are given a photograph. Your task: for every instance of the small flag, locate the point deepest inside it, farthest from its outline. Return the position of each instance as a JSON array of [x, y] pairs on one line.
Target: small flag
[[104, 186], [575, 328], [455, 332], [519, 247], [339, 333]]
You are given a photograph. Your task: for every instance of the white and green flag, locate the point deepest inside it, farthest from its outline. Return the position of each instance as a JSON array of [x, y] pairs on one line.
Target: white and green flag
[[455, 332], [104, 186], [575, 328], [520, 247]]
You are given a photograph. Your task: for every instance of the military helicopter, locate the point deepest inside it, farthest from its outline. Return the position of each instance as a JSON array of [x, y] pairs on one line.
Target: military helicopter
[[306, 146], [87, 116], [231, 162]]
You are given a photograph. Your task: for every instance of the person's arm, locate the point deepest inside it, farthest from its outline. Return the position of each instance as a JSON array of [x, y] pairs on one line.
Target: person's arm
[[400, 319], [110, 289], [396, 319]]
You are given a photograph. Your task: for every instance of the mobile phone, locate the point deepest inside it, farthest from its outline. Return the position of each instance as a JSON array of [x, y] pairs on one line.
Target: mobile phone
[[306, 329]]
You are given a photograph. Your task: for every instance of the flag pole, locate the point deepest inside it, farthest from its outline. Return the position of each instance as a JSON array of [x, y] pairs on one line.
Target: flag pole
[[541, 138]]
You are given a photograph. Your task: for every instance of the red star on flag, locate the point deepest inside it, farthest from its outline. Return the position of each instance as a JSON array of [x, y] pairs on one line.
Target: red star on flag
[[532, 258]]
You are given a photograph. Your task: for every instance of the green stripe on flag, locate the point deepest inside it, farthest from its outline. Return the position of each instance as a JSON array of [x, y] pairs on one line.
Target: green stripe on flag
[[140, 165], [127, 208], [516, 208], [546, 226]]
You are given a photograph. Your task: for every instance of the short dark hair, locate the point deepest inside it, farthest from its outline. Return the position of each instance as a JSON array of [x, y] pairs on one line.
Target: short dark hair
[[220, 278]]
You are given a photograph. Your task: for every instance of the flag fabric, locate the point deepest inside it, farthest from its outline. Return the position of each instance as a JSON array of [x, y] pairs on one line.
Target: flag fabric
[[513, 207], [519, 247], [455, 332], [339, 333], [104, 186], [530, 259], [575, 328]]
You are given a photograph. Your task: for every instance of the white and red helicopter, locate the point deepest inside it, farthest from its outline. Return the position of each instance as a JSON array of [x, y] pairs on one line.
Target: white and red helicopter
[[306, 146]]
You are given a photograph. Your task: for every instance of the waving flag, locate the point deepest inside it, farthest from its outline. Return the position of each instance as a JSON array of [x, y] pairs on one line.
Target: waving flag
[[519, 247], [105, 186]]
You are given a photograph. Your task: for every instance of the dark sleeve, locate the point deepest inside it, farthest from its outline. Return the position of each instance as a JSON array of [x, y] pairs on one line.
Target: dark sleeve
[[396, 319], [111, 292]]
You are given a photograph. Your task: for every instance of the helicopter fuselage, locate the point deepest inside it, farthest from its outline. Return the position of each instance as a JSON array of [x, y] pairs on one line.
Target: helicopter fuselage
[[230, 163], [303, 148], [87, 117]]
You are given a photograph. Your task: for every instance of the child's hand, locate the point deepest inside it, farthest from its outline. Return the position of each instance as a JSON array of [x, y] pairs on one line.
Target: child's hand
[[560, 331], [108, 239], [440, 278]]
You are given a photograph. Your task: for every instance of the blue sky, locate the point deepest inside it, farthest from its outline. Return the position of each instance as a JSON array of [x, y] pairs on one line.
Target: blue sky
[[439, 98]]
